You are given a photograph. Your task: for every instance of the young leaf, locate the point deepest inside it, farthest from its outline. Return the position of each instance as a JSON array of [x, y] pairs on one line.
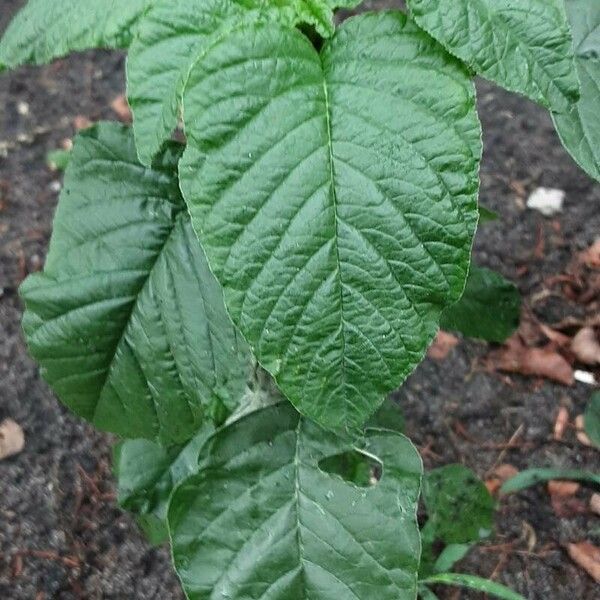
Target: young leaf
[[261, 519], [146, 474], [592, 419], [45, 29], [523, 45], [475, 583], [487, 215], [489, 308], [172, 38], [335, 196], [126, 320], [579, 127], [459, 507], [532, 477], [449, 556]]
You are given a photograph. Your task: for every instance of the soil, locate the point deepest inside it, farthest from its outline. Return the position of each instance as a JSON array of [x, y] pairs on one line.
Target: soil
[[61, 534]]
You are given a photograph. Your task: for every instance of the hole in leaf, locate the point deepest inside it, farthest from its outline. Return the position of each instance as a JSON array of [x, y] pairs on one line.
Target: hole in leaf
[[353, 466]]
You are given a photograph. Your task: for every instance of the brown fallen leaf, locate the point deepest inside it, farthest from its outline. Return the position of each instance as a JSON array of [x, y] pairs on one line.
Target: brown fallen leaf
[[443, 343], [498, 476], [12, 438], [567, 507], [585, 346], [580, 431], [587, 556], [591, 256], [515, 357], [562, 420], [121, 108]]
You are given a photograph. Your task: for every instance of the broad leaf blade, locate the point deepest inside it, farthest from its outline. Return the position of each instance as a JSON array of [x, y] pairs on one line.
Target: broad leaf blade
[[126, 320], [459, 507], [44, 29], [335, 196], [172, 38], [523, 45], [489, 308], [262, 520], [579, 128]]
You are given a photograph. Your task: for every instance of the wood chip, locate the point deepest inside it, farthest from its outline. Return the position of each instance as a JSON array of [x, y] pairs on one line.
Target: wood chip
[[562, 488], [121, 108], [12, 438], [443, 343], [561, 422], [585, 346], [587, 556], [581, 434], [80, 122], [498, 476], [591, 256], [595, 503]]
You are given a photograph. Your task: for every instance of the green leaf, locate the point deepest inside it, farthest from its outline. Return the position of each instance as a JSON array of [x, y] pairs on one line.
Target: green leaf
[[449, 556], [475, 583], [388, 416], [146, 474], [426, 594], [459, 506], [489, 309], [45, 29], [171, 39], [126, 320], [261, 519], [532, 477], [579, 127], [335, 196], [592, 419], [523, 45]]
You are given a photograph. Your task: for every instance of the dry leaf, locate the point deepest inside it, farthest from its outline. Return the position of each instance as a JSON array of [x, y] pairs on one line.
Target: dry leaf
[[12, 438], [562, 488], [121, 108], [515, 357], [562, 420], [581, 434], [595, 503], [587, 556], [585, 346], [567, 507], [591, 256], [443, 343]]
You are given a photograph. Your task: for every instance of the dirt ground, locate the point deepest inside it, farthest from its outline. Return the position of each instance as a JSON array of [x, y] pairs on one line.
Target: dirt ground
[[61, 534]]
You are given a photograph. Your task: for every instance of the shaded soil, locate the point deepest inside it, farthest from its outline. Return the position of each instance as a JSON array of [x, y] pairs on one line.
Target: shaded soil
[[57, 496]]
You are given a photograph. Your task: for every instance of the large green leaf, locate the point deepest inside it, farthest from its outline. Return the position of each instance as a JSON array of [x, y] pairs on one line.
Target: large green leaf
[[126, 320], [45, 29], [146, 474], [489, 308], [172, 38], [459, 507], [579, 128], [335, 196], [523, 45], [262, 520]]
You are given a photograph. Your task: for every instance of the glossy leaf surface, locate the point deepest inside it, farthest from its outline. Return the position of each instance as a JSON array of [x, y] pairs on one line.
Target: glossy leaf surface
[[335, 196], [579, 127], [126, 321], [523, 45], [261, 520]]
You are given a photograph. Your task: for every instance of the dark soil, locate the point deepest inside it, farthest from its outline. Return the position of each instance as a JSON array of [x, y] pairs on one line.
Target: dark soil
[[57, 496]]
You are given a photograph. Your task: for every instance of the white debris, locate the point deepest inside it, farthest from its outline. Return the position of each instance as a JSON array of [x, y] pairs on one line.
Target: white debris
[[585, 377], [23, 108], [548, 201], [55, 186]]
